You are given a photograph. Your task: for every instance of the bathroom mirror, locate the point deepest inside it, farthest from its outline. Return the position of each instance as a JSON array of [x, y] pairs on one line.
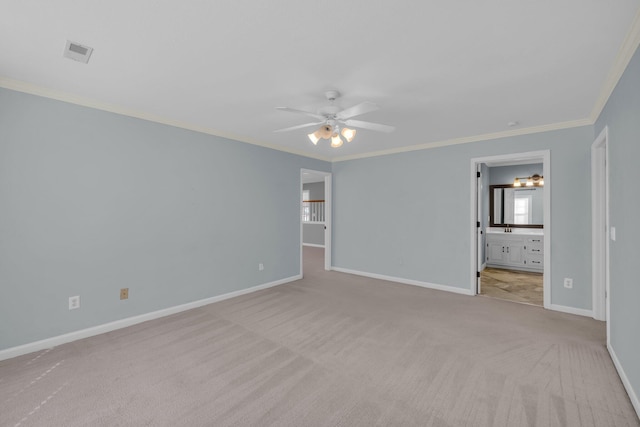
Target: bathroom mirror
[[516, 206]]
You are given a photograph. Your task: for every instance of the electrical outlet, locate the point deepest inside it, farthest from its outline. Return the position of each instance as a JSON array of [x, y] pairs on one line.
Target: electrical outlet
[[74, 302], [124, 293], [568, 283], [260, 267]]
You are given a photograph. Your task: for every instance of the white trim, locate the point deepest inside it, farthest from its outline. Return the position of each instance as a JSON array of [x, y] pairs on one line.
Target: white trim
[[480, 245], [313, 245], [412, 282], [129, 321], [328, 216], [32, 89], [534, 156], [546, 172], [484, 265], [468, 139], [625, 53], [600, 226], [313, 222], [625, 380], [570, 310]]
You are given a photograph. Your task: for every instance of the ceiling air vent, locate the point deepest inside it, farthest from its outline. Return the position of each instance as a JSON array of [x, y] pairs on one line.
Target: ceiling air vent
[[77, 52]]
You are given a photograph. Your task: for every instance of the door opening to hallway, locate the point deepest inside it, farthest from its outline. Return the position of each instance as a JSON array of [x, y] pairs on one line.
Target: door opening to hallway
[[315, 219]]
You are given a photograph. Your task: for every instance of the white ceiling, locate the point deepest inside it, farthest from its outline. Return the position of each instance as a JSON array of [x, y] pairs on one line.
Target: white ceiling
[[440, 70]]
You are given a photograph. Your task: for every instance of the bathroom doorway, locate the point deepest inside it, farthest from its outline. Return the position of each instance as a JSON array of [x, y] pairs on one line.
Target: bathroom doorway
[[510, 227]]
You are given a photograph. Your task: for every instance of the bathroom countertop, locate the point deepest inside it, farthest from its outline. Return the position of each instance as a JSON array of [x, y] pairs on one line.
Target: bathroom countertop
[[517, 231]]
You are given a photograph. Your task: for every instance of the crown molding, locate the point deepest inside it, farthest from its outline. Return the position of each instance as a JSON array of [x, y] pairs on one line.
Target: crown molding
[[469, 139], [625, 53], [25, 87]]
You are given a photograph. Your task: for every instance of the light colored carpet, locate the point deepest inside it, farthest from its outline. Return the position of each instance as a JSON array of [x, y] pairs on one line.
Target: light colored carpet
[[511, 285], [329, 350]]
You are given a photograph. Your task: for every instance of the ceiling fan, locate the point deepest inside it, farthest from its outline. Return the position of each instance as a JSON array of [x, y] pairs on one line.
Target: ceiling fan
[[331, 117]]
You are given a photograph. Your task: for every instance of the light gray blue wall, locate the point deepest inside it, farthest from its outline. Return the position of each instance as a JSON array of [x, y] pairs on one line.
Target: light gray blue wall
[[506, 174], [407, 215], [622, 116], [313, 234], [92, 201], [316, 190]]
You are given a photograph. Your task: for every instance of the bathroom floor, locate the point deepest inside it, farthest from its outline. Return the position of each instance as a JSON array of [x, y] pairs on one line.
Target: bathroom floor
[[518, 286]]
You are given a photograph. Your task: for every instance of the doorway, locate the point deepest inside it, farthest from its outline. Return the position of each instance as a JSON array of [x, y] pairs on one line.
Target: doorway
[[512, 258], [600, 227], [315, 219]]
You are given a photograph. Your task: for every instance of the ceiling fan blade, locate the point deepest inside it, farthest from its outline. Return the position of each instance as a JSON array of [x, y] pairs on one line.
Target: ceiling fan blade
[[368, 125], [357, 110], [298, 127], [306, 113]]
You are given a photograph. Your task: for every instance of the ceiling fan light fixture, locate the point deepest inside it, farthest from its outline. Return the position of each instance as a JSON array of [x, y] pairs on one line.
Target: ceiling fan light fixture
[[326, 131], [348, 134], [314, 137], [331, 119], [336, 141]]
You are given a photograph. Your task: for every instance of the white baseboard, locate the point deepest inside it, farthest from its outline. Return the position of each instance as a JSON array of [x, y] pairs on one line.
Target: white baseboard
[[483, 266], [571, 310], [313, 245], [625, 380], [446, 288], [129, 321]]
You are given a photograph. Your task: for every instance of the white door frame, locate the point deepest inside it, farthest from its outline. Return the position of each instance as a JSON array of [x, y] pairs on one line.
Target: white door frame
[[600, 227], [327, 216], [479, 219], [544, 157]]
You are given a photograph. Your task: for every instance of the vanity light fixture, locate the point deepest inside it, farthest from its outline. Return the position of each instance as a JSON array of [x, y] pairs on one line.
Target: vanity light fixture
[[529, 181]]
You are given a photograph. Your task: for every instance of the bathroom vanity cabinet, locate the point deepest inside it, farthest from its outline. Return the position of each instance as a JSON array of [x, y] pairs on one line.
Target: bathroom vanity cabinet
[[518, 251]]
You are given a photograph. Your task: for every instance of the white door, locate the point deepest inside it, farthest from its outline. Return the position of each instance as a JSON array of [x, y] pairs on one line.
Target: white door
[[600, 228], [328, 203], [479, 234]]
